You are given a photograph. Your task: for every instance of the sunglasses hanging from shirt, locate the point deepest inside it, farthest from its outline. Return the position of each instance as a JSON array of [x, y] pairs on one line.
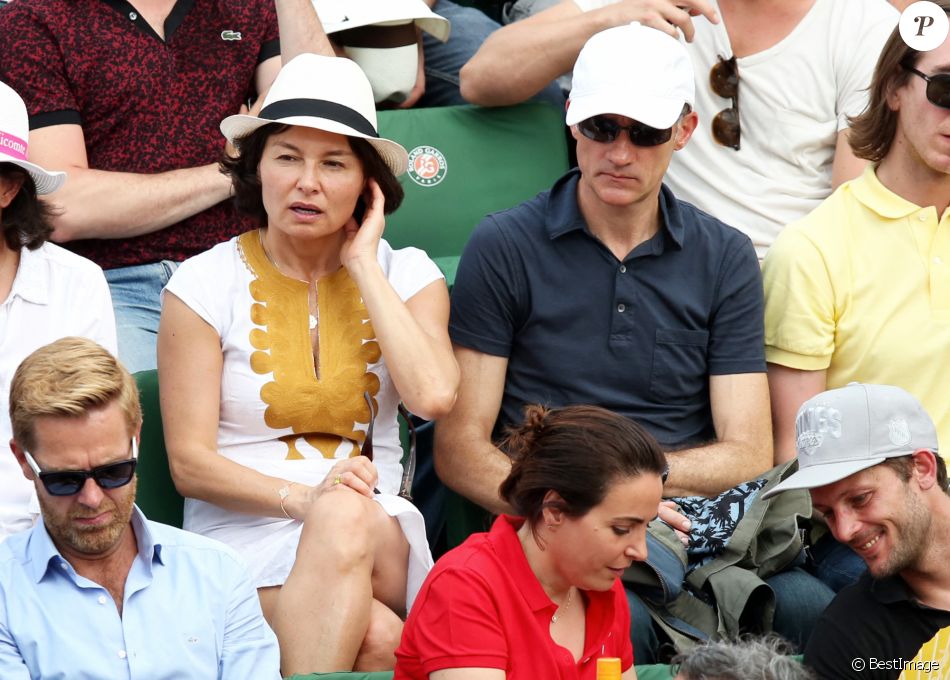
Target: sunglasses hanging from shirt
[[724, 81], [938, 87]]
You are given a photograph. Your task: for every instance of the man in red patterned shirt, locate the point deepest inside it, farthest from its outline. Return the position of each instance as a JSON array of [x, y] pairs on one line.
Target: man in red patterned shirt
[[126, 97]]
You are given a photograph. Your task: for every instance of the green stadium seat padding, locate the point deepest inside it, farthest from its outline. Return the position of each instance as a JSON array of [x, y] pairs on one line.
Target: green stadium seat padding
[[466, 162], [156, 496]]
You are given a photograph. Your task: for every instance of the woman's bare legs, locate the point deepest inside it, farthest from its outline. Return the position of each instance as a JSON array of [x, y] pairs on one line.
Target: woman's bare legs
[[350, 553]]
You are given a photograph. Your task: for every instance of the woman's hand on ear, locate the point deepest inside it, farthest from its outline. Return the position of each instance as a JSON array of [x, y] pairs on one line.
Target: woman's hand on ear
[[362, 240]]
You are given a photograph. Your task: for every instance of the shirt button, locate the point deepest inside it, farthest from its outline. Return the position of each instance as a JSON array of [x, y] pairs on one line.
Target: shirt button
[[937, 260], [623, 269], [621, 307], [133, 16], [122, 654], [922, 218], [101, 599]]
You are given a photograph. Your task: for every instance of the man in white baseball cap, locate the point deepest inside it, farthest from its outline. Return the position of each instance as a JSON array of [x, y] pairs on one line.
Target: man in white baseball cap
[[608, 290], [868, 454]]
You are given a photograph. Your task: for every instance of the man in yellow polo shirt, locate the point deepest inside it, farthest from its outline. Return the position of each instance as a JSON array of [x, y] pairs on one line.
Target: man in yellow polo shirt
[[859, 290]]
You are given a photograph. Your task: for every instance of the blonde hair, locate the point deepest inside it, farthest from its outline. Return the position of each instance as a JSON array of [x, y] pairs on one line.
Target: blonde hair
[[69, 377]]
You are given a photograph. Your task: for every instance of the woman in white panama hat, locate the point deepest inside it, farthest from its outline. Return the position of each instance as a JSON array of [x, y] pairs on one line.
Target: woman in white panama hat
[[46, 292], [282, 357]]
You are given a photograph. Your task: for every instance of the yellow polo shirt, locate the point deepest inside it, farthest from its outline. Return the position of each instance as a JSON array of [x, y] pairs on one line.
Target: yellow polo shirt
[[861, 287]]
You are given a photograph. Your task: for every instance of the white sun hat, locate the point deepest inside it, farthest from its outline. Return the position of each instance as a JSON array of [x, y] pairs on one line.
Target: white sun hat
[[15, 141], [324, 93], [342, 15]]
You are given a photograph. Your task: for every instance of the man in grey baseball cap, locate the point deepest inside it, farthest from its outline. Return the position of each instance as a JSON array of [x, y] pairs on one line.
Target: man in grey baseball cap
[[868, 455]]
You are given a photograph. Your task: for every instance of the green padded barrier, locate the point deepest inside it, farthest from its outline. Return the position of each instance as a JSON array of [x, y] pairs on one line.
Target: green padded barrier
[[156, 494], [465, 162]]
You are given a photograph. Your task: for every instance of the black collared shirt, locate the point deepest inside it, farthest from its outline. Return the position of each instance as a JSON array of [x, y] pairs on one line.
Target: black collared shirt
[[639, 336], [871, 629]]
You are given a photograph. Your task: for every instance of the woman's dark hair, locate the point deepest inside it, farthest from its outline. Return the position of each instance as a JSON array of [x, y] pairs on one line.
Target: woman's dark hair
[[576, 451], [26, 221], [872, 131], [242, 169]]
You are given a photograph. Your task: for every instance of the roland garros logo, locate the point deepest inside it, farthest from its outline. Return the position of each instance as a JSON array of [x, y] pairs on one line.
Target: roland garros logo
[[427, 166]]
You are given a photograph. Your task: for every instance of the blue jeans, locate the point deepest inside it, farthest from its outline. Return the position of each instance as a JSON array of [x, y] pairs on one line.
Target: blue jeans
[[136, 299], [443, 61], [800, 598], [835, 564]]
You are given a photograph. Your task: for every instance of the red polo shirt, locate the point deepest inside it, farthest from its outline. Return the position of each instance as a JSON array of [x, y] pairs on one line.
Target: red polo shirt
[[146, 105], [482, 607]]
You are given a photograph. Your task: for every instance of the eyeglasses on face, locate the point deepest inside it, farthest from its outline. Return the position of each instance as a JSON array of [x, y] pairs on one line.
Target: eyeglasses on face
[[938, 87], [724, 82], [70, 482], [605, 130]]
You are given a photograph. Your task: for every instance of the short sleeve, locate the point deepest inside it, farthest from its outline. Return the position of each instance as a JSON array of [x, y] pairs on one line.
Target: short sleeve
[[205, 283], [38, 73], [271, 45], [457, 625], [856, 53], [736, 324], [489, 292], [249, 648], [408, 270], [799, 304]]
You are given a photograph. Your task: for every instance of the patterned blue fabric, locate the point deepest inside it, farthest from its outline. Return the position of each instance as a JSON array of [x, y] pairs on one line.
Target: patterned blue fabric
[[715, 519]]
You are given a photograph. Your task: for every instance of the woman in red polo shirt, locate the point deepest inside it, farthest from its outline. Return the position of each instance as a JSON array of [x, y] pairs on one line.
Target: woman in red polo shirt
[[539, 596]]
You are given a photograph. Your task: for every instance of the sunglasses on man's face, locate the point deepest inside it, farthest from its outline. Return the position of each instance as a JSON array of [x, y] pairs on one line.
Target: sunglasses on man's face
[[605, 130], [70, 482], [938, 87]]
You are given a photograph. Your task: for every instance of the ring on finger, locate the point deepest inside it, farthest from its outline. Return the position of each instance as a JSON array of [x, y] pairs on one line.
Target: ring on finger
[[338, 479]]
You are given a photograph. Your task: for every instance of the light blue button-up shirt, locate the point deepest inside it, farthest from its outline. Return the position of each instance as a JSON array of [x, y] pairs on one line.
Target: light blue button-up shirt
[[190, 611]]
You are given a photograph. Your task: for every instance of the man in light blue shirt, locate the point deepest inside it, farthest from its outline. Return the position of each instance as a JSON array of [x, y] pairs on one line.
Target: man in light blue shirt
[[95, 590]]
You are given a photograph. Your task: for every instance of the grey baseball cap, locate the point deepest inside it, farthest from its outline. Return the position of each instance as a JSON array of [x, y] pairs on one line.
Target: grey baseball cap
[[843, 431]]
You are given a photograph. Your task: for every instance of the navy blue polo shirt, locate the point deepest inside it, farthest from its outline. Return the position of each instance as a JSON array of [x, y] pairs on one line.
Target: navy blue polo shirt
[[639, 336]]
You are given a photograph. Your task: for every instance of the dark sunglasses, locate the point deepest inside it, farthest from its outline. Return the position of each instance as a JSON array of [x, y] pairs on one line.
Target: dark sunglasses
[[605, 130], [70, 482], [938, 87], [724, 81]]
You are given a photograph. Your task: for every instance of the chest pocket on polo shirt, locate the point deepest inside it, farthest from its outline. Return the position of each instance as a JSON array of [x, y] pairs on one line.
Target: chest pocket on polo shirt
[[679, 364]]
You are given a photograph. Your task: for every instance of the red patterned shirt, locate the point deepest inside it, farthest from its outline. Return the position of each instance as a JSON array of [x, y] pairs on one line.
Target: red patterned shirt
[[145, 105]]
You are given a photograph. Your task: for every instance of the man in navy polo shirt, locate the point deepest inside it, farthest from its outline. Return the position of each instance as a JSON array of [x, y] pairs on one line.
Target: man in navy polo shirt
[[607, 290], [126, 97]]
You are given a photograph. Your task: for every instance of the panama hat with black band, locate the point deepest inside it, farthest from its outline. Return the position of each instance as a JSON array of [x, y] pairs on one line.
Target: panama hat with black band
[[324, 93]]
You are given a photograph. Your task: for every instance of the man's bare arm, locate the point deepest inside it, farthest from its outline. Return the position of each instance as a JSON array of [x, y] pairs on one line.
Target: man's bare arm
[[101, 204], [519, 60], [466, 460], [743, 447], [790, 388], [300, 31]]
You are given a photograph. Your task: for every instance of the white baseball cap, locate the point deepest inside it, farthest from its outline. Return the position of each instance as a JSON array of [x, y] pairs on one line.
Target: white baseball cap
[[325, 93], [843, 431], [15, 141], [632, 71]]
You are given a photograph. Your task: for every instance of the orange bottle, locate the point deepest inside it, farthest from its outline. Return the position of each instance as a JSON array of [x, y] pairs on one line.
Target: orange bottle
[[608, 668]]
